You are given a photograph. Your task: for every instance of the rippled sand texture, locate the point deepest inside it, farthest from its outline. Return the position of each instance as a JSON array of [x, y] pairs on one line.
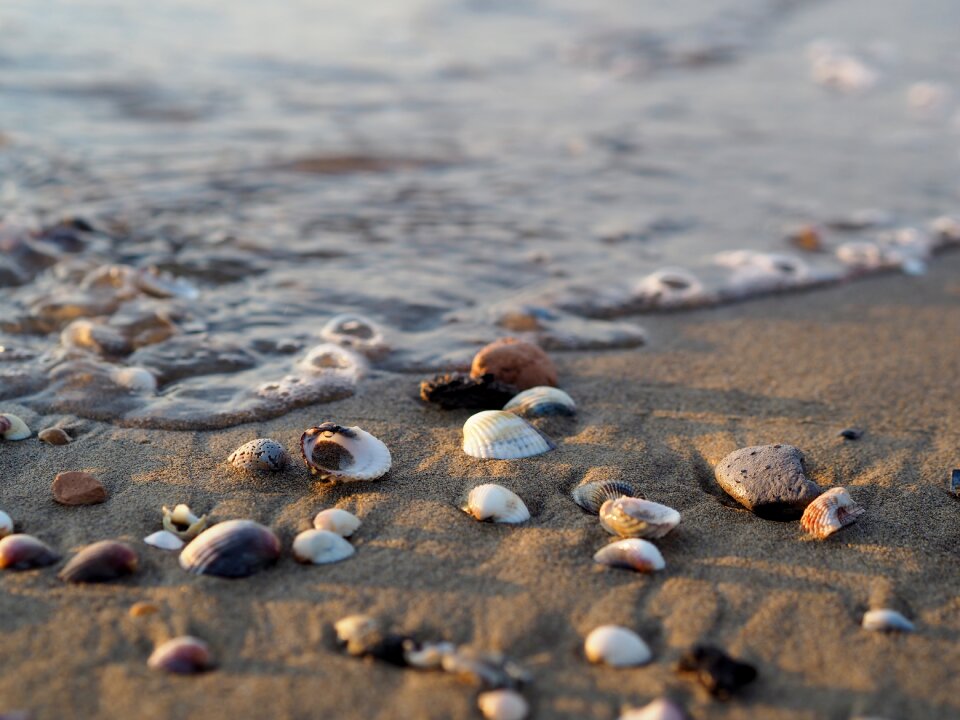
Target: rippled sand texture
[[880, 355], [454, 170]]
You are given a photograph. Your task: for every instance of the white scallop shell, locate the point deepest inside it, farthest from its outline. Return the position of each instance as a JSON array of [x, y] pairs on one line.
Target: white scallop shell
[[14, 428], [632, 554], [502, 705], [164, 539], [363, 457], [616, 646], [496, 504], [320, 547], [659, 709], [831, 511], [337, 521], [357, 333], [886, 619], [6, 524], [634, 517], [540, 401], [495, 434]]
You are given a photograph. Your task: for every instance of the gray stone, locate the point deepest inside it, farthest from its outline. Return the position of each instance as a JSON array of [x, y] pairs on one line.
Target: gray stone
[[768, 480]]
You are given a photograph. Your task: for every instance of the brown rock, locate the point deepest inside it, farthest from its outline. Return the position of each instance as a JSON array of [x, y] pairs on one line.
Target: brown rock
[[516, 363], [78, 488]]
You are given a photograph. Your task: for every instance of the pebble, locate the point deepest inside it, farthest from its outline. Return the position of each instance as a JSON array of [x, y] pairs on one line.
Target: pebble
[[78, 488], [955, 481], [851, 433], [54, 436], [768, 480], [515, 362], [142, 609]]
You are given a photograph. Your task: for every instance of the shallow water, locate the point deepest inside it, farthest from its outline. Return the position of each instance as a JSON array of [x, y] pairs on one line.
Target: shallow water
[[454, 171]]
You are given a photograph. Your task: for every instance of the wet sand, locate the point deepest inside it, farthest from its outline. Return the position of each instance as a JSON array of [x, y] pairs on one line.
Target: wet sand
[[880, 354]]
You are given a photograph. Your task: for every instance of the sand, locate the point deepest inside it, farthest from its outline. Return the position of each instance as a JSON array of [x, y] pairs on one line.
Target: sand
[[882, 354]]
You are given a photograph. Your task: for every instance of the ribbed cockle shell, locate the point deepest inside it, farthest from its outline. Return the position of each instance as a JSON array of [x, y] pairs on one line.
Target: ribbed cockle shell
[[334, 452], [235, 548], [592, 495], [831, 511], [500, 435], [541, 401], [633, 517]]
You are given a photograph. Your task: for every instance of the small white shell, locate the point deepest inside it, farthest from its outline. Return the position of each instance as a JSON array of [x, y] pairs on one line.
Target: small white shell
[[135, 379], [353, 630], [616, 646], [633, 517], [357, 333], [262, 454], [496, 504], [359, 455], [6, 524], [13, 428], [331, 359], [182, 523], [669, 287], [337, 521], [632, 554], [831, 511], [886, 619], [659, 709], [164, 539], [540, 401], [495, 434], [502, 705], [320, 547]]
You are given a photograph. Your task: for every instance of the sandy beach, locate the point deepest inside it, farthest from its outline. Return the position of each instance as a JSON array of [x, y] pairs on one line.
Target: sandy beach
[[880, 354]]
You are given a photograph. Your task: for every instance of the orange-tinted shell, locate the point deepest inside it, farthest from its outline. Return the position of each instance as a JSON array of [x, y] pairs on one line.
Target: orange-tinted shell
[[831, 511], [515, 362]]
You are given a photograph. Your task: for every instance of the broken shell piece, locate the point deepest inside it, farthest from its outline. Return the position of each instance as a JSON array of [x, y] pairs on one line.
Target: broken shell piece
[[502, 705], [25, 552], [182, 522], [831, 511], [659, 709], [6, 525], [495, 434], [496, 504], [490, 669], [164, 539], [459, 390], [541, 401], [427, 656], [335, 452], [54, 436], [886, 620], [632, 554], [592, 495], [337, 521], [357, 333], [231, 549], [320, 547], [633, 517], [719, 673], [13, 428], [184, 655], [616, 646], [260, 454], [100, 562]]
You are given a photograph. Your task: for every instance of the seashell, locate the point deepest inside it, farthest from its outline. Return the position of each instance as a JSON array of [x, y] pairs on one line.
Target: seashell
[[337, 521], [183, 655], [13, 428], [886, 620], [349, 453], [719, 673], [632, 554], [54, 436], [492, 670], [260, 454], [25, 552], [541, 401], [353, 632], [495, 434], [502, 705], [427, 656], [100, 562], [633, 517], [592, 495], [164, 539], [832, 511], [231, 549], [327, 358], [659, 709], [142, 609], [321, 547], [135, 379], [357, 333], [459, 390], [669, 287], [496, 504], [182, 522], [616, 646], [6, 525]]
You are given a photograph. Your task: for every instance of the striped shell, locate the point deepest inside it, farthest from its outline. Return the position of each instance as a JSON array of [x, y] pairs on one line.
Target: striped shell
[[832, 511], [616, 646], [886, 620], [184, 655], [338, 521], [6, 525], [334, 452], [499, 435], [591, 496], [25, 552], [496, 504], [235, 548], [541, 401], [633, 517], [101, 562], [319, 547], [13, 428], [262, 454], [632, 554]]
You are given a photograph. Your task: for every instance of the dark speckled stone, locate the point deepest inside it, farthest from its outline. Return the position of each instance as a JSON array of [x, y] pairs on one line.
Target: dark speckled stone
[[768, 480]]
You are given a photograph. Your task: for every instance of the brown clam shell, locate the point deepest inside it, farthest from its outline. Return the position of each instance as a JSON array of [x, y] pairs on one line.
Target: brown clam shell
[[101, 562]]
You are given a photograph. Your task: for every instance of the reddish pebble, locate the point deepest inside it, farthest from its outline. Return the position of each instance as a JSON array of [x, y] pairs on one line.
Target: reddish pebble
[[78, 488], [515, 362]]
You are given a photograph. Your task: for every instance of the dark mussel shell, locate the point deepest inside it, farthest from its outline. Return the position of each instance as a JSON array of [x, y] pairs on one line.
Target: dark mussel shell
[[25, 552], [101, 562], [231, 549]]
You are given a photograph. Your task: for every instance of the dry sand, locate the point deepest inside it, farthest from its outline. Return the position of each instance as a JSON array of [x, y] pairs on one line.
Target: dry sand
[[882, 354]]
